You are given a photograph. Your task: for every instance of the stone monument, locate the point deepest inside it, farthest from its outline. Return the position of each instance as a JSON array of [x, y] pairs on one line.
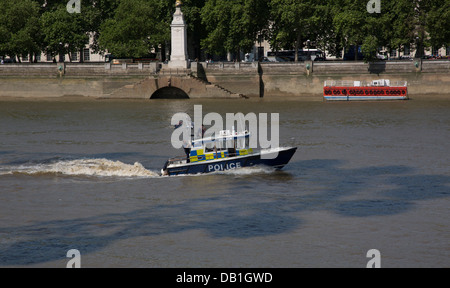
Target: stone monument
[[179, 55]]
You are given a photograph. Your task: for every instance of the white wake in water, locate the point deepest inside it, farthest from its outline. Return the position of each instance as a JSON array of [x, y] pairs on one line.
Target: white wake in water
[[109, 168], [84, 167], [248, 171]]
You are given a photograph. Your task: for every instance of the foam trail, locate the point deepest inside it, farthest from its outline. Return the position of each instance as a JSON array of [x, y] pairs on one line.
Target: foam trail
[[248, 171], [84, 167]]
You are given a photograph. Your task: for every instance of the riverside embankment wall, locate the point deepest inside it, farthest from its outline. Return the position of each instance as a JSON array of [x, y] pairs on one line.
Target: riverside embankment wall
[[302, 80], [305, 79]]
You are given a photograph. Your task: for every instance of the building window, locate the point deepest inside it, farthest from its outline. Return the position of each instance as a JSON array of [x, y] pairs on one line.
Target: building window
[[393, 53], [447, 51], [24, 58], [407, 50], [49, 57], [38, 57], [86, 55], [74, 56], [435, 51]]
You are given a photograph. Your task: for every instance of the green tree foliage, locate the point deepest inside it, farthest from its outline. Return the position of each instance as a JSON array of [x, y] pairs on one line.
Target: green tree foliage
[[356, 27], [401, 23], [438, 23], [324, 34], [64, 32], [196, 31], [349, 20], [95, 13], [294, 21], [135, 28], [216, 16], [19, 28], [233, 25]]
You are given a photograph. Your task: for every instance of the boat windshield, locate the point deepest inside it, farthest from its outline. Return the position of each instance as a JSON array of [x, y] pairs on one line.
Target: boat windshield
[[225, 139]]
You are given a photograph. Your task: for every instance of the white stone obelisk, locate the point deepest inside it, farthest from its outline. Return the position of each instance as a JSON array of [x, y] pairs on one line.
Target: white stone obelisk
[[179, 55]]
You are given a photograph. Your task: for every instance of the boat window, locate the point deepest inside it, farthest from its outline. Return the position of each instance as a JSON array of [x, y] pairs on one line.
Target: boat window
[[209, 146], [240, 143], [220, 144]]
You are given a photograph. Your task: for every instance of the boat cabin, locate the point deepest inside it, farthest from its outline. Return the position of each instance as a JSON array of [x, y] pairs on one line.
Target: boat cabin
[[226, 144]]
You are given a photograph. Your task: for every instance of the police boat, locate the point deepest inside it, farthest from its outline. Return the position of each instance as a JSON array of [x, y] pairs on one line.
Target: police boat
[[227, 151]]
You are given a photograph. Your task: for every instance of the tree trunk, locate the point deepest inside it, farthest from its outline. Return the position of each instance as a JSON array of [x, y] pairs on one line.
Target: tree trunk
[[297, 46]]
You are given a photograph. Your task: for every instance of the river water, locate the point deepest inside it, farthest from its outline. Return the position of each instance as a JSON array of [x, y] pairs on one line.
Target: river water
[[84, 174]]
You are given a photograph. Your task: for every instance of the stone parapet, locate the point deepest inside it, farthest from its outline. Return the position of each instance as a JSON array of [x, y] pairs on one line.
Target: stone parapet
[[215, 80]]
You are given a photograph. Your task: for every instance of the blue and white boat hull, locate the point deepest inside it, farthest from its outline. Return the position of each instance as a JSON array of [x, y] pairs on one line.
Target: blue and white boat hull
[[276, 158]]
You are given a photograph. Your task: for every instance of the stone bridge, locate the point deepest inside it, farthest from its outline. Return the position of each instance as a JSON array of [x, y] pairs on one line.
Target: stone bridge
[[172, 86], [100, 80]]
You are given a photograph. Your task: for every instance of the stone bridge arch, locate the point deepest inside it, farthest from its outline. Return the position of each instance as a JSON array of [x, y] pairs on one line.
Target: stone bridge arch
[[169, 93], [171, 87]]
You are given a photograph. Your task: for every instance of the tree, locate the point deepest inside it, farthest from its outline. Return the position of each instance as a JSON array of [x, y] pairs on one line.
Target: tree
[[216, 16], [369, 47], [377, 29], [196, 31], [358, 27], [292, 22], [135, 29], [233, 25], [420, 23], [420, 12], [324, 32], [438, 23], [349, 20], [259, 19], [19, 28], [64, 32], [95, 13]]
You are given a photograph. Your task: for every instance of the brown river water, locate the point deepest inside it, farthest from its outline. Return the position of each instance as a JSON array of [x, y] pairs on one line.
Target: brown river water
[[84, 174]]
